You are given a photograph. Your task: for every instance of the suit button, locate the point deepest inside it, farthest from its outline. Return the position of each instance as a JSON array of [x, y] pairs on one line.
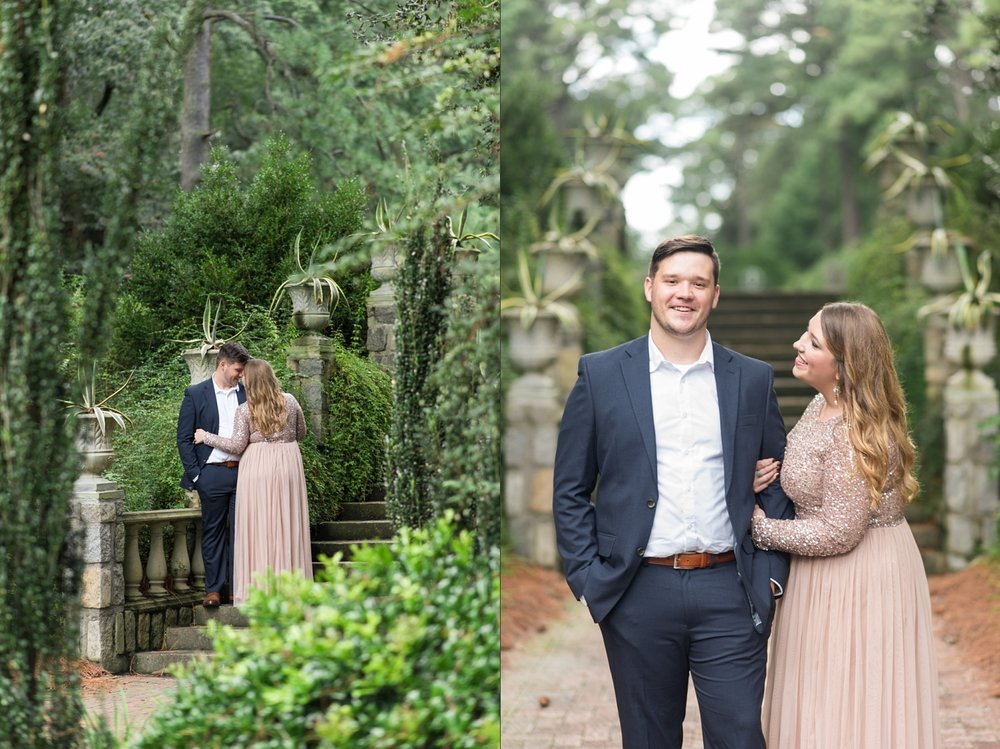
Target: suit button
[[651, 503], [640, 551]]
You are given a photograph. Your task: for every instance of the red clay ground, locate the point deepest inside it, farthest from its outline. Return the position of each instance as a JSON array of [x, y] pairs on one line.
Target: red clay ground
[[967, 604]]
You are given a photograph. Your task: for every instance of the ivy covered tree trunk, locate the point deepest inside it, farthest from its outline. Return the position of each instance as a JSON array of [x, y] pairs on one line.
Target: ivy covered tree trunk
[[39, 578], [422, 287]]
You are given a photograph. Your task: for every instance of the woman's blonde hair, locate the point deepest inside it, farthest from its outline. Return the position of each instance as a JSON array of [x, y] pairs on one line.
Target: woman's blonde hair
[[874, 406], [266, 401]]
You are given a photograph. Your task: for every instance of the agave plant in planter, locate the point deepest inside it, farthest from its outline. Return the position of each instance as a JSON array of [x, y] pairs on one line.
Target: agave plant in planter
[[535, 317], [462, 240], [95, 422], [971, 340], [201, 359], [311, 288]]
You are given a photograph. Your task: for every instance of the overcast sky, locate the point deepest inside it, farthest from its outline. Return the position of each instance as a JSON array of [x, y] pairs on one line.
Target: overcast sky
[[686, 53]]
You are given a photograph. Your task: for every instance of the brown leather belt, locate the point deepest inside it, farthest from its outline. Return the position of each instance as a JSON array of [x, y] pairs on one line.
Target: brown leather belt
[[227, 464], [694, 561]]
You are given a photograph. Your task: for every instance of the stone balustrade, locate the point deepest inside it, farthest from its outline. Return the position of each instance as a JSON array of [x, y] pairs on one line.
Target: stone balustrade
[[185, 570], [126, 600]]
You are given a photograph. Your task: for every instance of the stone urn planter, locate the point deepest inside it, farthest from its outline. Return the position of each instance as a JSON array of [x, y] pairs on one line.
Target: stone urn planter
[[533, 345], [971, 348], [93, 442], [311, 309], [201, 364], [940, 273]]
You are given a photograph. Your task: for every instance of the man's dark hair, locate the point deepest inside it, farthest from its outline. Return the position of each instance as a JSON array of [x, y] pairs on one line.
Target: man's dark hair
[[687, 243], [234, 353]]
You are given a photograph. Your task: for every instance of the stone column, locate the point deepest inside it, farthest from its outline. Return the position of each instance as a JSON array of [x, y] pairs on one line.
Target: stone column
[[312, 358], [382, 309], [533, 408], [971, 493], [96, 505]]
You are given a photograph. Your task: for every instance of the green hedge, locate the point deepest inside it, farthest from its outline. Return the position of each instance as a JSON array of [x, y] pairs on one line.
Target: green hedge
[[399, 650]]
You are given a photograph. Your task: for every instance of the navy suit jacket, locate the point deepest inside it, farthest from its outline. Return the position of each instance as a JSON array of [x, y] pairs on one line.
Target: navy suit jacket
[[607, 441], [199, 410]]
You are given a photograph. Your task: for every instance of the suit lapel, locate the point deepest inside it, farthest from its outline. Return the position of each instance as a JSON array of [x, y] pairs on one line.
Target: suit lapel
[[727, 385], [211, 407], [635, 370]]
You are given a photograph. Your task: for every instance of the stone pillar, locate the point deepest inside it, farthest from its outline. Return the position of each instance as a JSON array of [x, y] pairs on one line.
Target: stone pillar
[[533, 408], [382, 310], [312, 359], [96, 506], [971, 496]]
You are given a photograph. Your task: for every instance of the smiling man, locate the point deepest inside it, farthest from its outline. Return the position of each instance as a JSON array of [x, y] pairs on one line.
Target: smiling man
[[668, 428]]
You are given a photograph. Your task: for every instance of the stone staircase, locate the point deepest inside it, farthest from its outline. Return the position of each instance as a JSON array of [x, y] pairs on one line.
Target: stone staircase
[[182, 644], [359, 522], [765, 326]]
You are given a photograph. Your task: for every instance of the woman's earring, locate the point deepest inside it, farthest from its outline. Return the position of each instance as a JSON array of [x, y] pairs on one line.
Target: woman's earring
[[836, 394]]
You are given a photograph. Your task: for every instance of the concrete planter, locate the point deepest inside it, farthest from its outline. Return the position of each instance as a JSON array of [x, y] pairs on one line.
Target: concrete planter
[[93, 444], [534, 347], [201, 366], [309, 312]]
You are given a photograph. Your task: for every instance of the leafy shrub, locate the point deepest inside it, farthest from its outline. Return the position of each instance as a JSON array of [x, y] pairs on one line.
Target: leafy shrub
[[399, 650], [227, 237]]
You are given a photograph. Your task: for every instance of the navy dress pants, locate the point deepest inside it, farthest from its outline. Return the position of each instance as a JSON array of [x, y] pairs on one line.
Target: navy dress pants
[[670, 623], [217, 488]]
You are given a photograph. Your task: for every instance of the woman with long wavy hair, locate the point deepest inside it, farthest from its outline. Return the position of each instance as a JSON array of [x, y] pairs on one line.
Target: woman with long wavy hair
[[852, 654], [272, 510]]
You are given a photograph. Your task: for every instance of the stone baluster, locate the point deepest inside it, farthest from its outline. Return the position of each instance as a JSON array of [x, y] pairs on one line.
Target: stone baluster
[[180, 562], [197, 560], [133, 564], [156, 565]]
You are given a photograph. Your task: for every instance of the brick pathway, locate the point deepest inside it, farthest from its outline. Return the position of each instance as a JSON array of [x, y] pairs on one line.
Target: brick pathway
[[566, 666], [126, 702]]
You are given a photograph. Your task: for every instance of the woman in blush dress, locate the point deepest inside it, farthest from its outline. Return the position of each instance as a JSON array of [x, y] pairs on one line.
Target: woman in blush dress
[[272, 511], [853, 664]]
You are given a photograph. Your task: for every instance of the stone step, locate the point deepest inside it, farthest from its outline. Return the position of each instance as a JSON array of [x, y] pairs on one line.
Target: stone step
[[223, 614], [370, 510], [351, 530], [187, 638], [155, 662], [330, 548]]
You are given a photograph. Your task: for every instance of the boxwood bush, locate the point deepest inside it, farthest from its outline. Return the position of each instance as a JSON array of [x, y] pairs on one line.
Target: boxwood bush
[[399, 650]]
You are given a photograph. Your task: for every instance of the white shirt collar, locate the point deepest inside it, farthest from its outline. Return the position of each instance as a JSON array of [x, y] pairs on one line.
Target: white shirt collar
[[219, 390], [707, 354]]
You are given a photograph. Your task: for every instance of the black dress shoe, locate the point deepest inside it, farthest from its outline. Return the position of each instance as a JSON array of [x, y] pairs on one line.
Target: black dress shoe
[[211, 601]]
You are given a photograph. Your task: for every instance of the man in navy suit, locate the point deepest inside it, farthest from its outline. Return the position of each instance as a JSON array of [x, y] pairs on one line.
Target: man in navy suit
[[211, 405], [668, 428]]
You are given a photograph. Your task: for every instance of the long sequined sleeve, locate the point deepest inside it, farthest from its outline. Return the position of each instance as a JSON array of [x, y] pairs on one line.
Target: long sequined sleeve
[[841, 521], [300, 419], [241, 433]]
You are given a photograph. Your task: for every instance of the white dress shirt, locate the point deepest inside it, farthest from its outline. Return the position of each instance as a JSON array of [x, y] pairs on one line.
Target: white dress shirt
[[691, 512], [228, 401]]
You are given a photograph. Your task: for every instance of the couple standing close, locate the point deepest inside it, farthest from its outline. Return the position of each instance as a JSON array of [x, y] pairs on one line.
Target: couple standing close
[[240, 451], [684, 549]]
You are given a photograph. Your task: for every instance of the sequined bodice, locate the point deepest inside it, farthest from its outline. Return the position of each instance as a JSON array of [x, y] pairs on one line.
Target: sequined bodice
[[832, 507], [244, 431]]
